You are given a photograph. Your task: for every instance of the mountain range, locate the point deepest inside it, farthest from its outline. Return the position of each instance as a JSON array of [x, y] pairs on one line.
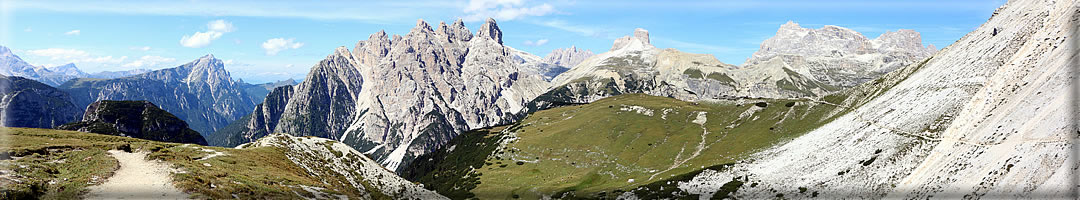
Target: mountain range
[[397, 97], [200, 92], [458, 114], [797, 62], [13, 65]]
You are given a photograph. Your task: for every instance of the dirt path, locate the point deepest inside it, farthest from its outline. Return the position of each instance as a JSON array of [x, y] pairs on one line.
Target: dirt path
[[700, 120], [137, 178]]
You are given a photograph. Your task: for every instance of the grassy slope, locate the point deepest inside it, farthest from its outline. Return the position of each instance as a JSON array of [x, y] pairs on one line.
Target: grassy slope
[[75, 160], [589, 149], [592, 150]]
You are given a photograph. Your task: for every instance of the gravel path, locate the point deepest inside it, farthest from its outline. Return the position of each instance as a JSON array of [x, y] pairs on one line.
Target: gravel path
[[137, 178]]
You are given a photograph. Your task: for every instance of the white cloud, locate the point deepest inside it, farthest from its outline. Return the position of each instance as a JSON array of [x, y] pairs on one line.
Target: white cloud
[[74, 56], [383, 12], [539, 42], [214, 31], [148, 61], [73, 32], [503, 10], [273, 46], [142, 48], [590, 31], [220, 26]]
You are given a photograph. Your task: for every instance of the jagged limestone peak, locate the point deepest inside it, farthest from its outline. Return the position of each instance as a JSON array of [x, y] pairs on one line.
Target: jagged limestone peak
[[490, 30]]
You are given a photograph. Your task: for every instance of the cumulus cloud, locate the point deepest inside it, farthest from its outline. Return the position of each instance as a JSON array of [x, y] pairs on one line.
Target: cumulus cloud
[[214, 31], [73, 32], [273, 46], [148, 61], [74, 56], [504, 10], [539, 42]]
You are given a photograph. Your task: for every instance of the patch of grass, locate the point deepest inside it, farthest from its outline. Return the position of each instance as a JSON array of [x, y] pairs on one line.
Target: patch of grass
[[694, 73], [451, 173], [76, 160], [723, 78], [586, 150]]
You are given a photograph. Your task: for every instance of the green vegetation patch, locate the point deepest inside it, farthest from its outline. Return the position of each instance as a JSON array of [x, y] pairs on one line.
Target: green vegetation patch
[[73, 161], [450, 171], [620, 143]]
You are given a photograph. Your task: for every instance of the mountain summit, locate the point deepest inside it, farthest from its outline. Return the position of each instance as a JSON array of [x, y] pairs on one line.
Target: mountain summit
[[395, 97], [839, 56], [200, 92]]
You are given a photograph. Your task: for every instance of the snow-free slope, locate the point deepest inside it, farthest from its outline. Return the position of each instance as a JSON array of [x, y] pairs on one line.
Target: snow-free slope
[[990, 116], [797, 62], [58, 164]]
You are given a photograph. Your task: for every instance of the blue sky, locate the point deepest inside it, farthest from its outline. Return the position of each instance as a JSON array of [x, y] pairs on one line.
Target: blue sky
[[274, 40]]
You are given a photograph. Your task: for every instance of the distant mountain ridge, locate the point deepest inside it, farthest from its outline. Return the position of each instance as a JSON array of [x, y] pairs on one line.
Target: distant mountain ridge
[[555, 63], [840, 56], [200, 92], [796, 63], [13, 65]]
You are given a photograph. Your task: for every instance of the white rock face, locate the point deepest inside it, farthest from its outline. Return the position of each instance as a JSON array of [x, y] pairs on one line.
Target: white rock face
[[323, 157], [568, 57], [401, 97], [636, 66], [840, 56], [797, 62], [555, 63], [990, 116], [13, 65]]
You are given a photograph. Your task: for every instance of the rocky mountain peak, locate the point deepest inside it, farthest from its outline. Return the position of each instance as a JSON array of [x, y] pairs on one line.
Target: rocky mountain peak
[[341, 51], [5, 52], [458, 31], [368, 52], [455, 32], [68, 69], [640, 40], [207, 70], [902, 40], [642, 34], [828, 41], [421, 26], [490, 30], [568, 57]]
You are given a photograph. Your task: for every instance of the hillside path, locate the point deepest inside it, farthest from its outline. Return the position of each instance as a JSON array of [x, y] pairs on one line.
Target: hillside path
[[137, 178]]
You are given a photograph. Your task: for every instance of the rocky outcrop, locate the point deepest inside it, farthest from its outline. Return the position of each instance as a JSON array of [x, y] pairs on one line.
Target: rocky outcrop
[[839, 56], [636, 66], [395, 97], [259, 91], [32, 104], [261, 122], [137, 119], [555, 63], [991, 116], [321, 157], [568, 57], [200, 92], [798, 62]]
